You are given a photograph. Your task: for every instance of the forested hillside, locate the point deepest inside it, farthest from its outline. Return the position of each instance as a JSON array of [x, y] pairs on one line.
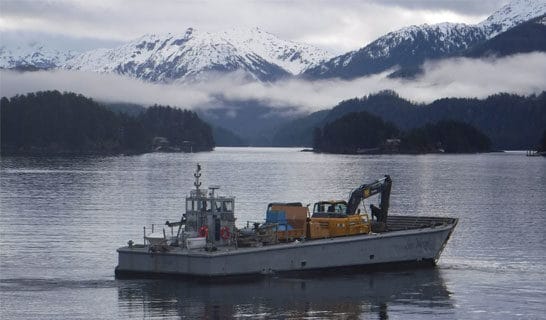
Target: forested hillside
[[445, 136], [362, 132], [510, 121], [353, 133], [67, 123]]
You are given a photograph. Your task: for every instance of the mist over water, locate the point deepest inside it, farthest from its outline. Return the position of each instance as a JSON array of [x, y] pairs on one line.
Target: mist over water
[[61, 220], [521, 74]]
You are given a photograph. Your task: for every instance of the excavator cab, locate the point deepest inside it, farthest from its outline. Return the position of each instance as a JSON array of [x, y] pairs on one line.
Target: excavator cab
[[330, 219], [330, 209]]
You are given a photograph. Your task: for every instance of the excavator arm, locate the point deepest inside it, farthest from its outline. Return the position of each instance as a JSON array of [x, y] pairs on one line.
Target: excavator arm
[[382, 186]]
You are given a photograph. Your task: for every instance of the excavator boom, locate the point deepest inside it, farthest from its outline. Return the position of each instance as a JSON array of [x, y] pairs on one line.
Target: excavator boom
[[382, 186]]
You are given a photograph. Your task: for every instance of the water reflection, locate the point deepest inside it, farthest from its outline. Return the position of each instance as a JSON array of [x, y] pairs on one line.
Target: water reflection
[[371, 295]]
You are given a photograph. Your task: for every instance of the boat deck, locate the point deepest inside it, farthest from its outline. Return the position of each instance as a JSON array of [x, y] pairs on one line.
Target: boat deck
[[396, 223]]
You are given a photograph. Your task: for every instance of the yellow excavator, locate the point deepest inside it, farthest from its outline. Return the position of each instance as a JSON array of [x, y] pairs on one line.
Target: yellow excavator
[[337, 218], [334, 218]]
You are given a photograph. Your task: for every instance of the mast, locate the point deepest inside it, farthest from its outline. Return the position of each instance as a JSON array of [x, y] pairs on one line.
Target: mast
[[197, 175]]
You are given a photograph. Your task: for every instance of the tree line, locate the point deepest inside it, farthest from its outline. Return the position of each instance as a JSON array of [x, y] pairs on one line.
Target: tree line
[[510, 121], [362, 132], [51, 122]]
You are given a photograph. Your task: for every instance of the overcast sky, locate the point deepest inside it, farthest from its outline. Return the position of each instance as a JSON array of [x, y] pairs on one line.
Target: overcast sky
[[337, 26]]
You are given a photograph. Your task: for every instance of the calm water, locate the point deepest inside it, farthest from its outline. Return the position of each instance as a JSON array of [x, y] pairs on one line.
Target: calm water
[[61, 220]]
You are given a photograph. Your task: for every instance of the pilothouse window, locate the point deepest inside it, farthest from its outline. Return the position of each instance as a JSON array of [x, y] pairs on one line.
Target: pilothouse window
[[227, 206], [198, 205], [216, 206]]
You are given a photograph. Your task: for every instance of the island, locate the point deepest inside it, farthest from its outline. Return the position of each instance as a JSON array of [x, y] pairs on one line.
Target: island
[[51, 122], [362, 132]]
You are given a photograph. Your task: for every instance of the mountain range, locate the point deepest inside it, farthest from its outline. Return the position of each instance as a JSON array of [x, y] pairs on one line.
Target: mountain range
[[194, 55]]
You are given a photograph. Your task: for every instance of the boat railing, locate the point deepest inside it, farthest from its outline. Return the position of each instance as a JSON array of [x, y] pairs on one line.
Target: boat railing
[[154, 234]]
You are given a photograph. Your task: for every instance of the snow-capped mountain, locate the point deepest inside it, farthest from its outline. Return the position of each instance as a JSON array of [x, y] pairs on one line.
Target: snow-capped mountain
[[529, 36], [194, 54], [292, 56], [411, 46], [33, 55], [512, 14], [405, 47]]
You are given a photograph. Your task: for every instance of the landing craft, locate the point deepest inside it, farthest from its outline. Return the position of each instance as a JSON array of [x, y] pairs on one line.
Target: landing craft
[[334, 236]]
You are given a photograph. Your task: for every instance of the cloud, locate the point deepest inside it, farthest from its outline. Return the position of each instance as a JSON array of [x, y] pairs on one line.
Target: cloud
[[464, 7], [336, 26], [459, 77], [465, 77], [103, 87]]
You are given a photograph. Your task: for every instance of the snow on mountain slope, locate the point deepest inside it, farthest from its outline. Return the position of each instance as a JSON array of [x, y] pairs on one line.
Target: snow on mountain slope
[[443, 38], [32, 55], [407, 46], [291, 56], [512, 14], [411, 46], [190, 56]]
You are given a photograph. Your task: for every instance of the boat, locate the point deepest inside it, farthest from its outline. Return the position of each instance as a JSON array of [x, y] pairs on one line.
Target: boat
[[333, 236]]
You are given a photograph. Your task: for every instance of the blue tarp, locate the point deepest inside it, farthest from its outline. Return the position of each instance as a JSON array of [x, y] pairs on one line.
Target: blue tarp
[[278, 217]]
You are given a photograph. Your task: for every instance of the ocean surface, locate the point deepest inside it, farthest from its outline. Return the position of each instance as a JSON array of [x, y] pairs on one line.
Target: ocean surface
[[61, 220]]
